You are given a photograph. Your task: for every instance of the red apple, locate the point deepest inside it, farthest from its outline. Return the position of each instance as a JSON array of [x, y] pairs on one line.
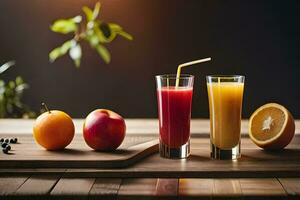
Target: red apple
[[104, 130]]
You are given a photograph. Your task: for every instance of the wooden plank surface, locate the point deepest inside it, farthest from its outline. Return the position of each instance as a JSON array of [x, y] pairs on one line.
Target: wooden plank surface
[[137, 189], [167, 187], [107, 188], [291, 186], [226, 188], [37, 185], [27, 154], [72, 187], [262, 188], [194, 188], [9, 185]]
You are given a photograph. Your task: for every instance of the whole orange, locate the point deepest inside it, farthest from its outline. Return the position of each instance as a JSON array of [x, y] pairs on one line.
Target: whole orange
[[53, 130]]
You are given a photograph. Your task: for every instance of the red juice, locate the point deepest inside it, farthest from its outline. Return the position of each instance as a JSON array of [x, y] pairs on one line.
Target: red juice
[[174, 109]]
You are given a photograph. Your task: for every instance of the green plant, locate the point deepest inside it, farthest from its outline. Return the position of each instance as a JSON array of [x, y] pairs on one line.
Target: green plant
[[11, 94], [93, 30]]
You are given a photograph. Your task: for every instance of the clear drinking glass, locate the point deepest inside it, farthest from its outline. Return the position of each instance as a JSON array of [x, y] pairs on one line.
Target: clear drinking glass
[[225, 96], [174, 111]]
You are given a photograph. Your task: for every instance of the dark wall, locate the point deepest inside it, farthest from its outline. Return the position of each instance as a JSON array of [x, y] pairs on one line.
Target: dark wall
[[259, 39]]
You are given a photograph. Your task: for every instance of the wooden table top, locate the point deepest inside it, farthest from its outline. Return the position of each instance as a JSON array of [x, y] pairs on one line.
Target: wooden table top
[[134, 126], [29, 183]]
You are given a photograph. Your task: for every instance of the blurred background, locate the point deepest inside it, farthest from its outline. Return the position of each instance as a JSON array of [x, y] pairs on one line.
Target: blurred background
[[258, 39]]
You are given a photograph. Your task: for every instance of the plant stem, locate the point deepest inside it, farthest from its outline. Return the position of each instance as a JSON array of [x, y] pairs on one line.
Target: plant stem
[[45, 107]]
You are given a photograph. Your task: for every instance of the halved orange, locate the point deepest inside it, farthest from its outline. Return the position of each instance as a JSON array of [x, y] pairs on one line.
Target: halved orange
[[271, 126]]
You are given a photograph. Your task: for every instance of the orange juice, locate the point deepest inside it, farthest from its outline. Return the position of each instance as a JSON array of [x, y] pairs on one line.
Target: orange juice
[[225, 107]]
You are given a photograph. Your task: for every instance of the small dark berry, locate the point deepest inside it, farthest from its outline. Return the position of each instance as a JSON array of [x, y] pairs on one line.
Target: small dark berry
[[8, 147], [5, 150], [6, 140], [11, 141], [16, 140], [1, 140], [4, 144]]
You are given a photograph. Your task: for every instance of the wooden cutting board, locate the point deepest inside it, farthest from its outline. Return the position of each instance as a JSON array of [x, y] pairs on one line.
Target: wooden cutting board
[[255, 162], [27, 154]]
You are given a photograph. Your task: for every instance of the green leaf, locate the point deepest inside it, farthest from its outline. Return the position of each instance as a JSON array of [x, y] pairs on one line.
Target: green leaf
[[94, 40], [66, 25], [2, 87], [2, 106], [2, 83], [54, 54], [96, 10], [19, 80], [60, 51], [125, 35], [7, 65], [117, 29], [76, 53], [67, 45], [77, 19], [104, 53], [101, 37], [106, 33], [77, 62], [92, 14], [11, 84], [7, 90], [105, 30], [95, 35], [20, 88], [88, 13]]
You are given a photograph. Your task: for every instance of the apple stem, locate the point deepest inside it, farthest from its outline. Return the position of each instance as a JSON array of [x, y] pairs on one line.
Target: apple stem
[[45, 107]]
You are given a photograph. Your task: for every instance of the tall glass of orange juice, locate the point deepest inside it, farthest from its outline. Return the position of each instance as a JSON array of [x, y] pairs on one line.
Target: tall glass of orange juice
[[225, 96]]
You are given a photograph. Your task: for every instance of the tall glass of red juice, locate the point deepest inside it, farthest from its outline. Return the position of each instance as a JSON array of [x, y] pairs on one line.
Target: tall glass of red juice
[[174, 112]]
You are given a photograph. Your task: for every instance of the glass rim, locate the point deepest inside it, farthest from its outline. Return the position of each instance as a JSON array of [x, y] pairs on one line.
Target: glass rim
[[225, 76], [174, 76]]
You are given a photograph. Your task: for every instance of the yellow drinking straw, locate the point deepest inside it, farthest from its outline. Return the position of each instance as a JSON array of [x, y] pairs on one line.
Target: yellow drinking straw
[[188, 64]]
